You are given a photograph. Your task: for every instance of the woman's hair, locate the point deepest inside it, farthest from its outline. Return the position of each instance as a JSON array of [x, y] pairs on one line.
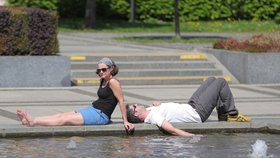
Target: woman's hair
[[115, 70], [111, 64], [130, 115]]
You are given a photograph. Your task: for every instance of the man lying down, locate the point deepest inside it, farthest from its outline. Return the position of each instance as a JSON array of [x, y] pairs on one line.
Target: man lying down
[[213, 93]]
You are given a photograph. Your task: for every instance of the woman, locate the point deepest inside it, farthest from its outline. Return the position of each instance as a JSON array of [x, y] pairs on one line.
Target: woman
[[99, 113]]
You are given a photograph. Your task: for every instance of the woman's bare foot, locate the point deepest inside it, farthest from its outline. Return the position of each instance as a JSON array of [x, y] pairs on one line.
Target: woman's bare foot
[[29, 119], [21, 117], [25, 118]]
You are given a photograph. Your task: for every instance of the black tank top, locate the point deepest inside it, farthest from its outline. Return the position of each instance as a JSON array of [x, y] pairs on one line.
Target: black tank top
[[106, 101]]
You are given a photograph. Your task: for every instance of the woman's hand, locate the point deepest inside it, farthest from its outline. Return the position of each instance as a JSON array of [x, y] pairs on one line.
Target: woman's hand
[[129, 127]]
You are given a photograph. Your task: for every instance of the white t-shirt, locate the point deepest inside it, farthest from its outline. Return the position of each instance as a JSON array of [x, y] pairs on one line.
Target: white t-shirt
[[172, 112]]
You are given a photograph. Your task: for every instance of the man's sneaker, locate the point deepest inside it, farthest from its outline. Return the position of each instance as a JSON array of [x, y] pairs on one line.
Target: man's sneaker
[[223, 117], [238, 118]]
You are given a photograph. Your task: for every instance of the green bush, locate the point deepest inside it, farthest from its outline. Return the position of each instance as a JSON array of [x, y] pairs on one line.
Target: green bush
[[43, 4], [4, 25], [229, 9], [277, 18], [157, 9], [113, 9], [42, 32], [71, 8], [15, 32], [260, 9], [162, 10], [191, 10], [204, 10], [27, 31]]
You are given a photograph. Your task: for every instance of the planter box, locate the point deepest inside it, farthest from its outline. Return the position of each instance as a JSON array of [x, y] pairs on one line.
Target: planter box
[[250, 68], [35, 71]]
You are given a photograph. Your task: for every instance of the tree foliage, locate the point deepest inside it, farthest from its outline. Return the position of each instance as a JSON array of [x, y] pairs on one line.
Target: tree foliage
[[44, 4], [162, 10]]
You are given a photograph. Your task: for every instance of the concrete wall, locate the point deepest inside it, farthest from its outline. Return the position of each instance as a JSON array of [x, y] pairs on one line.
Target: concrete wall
[[250, 68], [35, 71]]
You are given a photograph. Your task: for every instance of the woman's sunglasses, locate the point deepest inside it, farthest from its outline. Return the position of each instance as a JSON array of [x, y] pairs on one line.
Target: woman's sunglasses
[[99, 70]]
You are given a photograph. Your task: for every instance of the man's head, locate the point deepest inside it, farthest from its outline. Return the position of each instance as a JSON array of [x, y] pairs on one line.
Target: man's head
[[133, 111]]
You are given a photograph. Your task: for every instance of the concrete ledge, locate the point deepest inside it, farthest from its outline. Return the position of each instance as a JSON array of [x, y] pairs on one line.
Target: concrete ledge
[[141, 129], [273, 128], [35, 71], [250, 68], [149, 80]]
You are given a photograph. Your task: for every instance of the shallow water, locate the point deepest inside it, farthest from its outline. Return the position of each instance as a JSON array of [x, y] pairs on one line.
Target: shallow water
[[212, 145]]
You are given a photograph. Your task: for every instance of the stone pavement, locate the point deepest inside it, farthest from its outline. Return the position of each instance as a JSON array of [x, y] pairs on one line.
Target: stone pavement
[[87, 43], [260, 102]]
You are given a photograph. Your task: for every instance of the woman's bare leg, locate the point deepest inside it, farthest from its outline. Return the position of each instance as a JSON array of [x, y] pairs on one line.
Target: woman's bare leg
[[67, 118], [58, 115]]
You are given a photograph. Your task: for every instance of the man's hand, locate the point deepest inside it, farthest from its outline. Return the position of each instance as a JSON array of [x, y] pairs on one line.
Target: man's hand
[[167, 126], [155, 103]]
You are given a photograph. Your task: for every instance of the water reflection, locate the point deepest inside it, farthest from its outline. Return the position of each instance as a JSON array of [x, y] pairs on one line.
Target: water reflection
[[213, 145]]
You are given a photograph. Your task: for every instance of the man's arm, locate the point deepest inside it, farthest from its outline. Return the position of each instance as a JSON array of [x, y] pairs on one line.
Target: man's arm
[[167, 126]]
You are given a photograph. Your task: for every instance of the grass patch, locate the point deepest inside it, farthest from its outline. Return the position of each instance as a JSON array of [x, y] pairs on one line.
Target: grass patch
[[77, 25], [168, 39]]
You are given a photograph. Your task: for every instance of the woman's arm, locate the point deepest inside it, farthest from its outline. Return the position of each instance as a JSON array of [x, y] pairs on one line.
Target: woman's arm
[[117, 90], [167, 126]]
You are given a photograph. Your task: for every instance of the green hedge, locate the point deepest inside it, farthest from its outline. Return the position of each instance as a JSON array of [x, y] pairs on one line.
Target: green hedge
[[71, 8], [112, 9], [190, 10], [28, 31], [14, 37], [43, 4]]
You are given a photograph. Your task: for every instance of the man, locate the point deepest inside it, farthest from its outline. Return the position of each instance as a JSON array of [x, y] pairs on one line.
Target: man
[[213, 93]]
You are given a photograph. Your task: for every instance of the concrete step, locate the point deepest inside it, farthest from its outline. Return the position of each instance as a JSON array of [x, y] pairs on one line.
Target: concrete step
[[163, 80], [86, 65], [151, 72], [139, 57], [149, 69]]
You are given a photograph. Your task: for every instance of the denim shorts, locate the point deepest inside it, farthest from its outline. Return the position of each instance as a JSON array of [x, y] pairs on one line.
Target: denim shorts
[[93, 116]]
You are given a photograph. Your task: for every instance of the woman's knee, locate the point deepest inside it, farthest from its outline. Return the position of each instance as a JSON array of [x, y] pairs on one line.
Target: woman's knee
[[70, 120], [59, 122]]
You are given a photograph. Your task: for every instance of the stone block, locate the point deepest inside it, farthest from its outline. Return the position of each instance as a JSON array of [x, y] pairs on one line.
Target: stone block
[[250, 68], [35, 71]]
